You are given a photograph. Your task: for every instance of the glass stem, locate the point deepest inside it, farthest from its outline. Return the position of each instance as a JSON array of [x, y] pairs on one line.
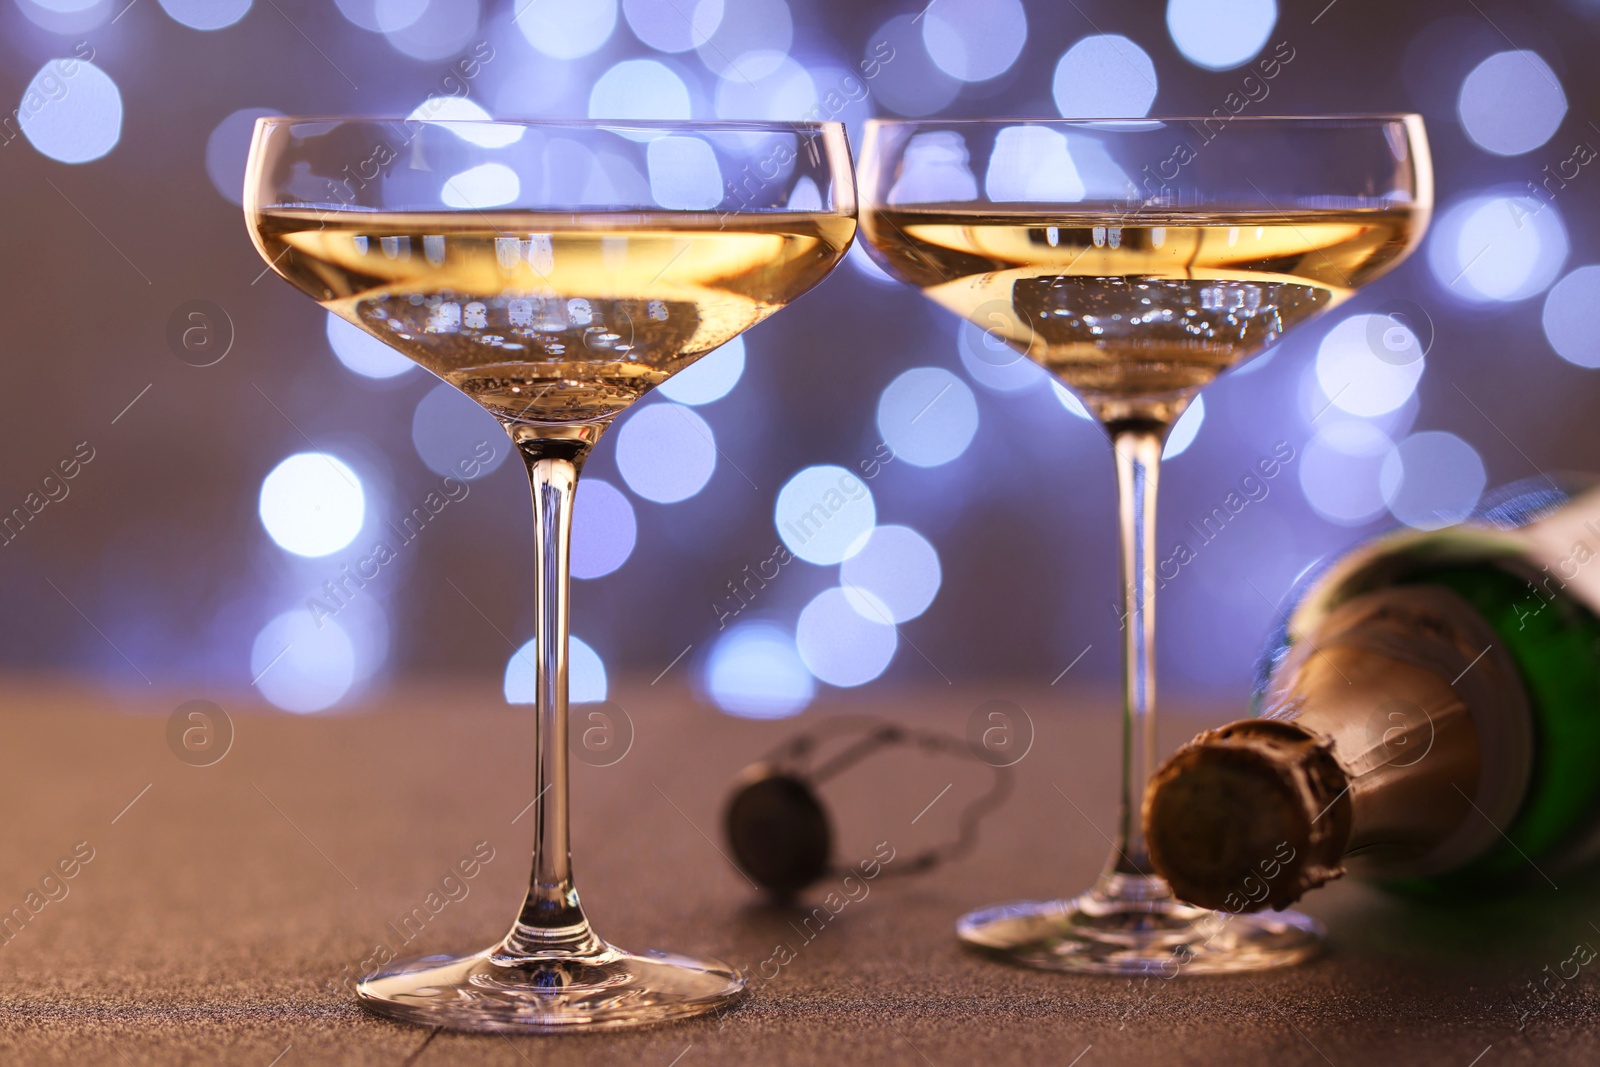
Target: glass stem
[[552, 920], [1137, 444]]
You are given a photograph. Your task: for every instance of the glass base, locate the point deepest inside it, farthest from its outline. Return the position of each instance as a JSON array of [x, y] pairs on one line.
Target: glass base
[[1132, 924], [490, 991]]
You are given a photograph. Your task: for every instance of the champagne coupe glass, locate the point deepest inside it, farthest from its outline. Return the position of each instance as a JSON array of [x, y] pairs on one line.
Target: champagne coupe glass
[[555, 272], [1137, 260]]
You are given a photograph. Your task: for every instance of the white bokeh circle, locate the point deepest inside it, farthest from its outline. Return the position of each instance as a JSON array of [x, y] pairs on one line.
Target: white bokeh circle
[[839, 644], [974, 40], [899, 569], [755, 672], [312, 504], [1511, 103], [1220, 34], [665, 452], [1354, 374], [1432, 480], [928, 416], [1570, 315], [824, 513], [1105, 76]]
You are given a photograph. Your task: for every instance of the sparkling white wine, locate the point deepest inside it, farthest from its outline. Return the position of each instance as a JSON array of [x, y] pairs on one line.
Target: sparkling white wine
[[1138, 312], [547, 317]]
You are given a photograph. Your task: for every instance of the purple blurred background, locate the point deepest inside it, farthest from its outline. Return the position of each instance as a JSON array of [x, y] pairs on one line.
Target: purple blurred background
[[190, 549]]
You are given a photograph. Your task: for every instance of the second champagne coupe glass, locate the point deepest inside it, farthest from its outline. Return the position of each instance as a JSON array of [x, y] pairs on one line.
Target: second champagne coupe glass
[[555, 273], [1137, 260]]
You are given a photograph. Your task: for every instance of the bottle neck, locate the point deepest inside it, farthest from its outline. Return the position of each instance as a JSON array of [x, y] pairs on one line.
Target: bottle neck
[[1429, 720], [1379, 735]]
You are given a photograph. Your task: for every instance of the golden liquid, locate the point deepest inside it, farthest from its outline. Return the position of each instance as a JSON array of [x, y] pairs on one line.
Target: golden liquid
[[1138, 312], [552, 318]]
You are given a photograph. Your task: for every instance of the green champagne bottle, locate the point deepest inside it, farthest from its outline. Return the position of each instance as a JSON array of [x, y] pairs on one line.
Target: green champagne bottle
[[1428, 716]]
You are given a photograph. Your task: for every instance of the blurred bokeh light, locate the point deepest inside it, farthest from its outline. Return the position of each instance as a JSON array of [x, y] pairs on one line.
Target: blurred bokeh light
[[1569, 317], [1512, 103], [1104, 76], [85, 121], [755, 672], [898, 568], [666, 452], [1220, 34], [824, 514], [846, 637], [312, 504]]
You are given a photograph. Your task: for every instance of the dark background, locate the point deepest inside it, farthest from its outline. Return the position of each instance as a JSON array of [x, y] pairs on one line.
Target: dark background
[[156, 568]]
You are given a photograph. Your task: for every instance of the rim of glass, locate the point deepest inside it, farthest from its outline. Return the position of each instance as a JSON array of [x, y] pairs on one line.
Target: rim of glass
[[730, 125], [1151, 120]]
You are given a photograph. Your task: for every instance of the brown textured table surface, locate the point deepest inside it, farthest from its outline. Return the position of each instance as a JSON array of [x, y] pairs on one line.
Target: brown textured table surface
[[223, 904]]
